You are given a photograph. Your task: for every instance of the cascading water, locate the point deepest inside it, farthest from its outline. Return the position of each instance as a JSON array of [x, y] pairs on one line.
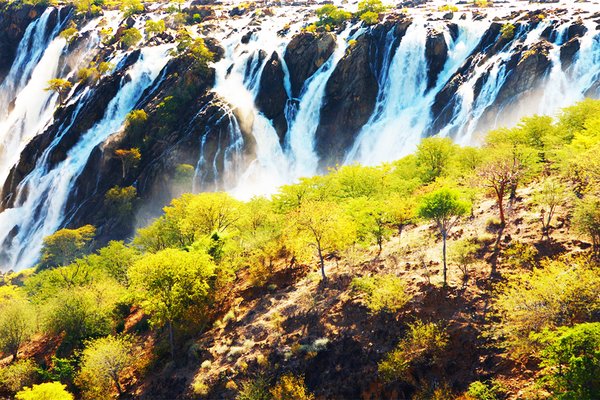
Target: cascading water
[[33, 106], [401, 114], [240, 149], [47, 189]]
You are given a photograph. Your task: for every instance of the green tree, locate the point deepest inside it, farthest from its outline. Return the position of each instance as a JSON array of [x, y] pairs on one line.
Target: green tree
[[291, 387], [325, 227], [45, 391], [130, 37], [65, 245], [434, 156], [401, 211], [559, 293], [169, 282], [59, 86], [587, 220], [102, 364], [331, 16], [571, 361], [17, 323], [154, 27], [500, 175], [383, 292], [131, 7], [443, 207], [550, 197]]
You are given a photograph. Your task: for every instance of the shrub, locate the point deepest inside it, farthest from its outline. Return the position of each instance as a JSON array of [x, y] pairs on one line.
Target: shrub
[[119, 200], [291, 387], [102, 364], [370, 18], [331, 16], [130, 158], [571, 361], [558, 293], [448, 8], [89, 74], [520, 255], [586, 219], [255, 389], [130, 37], [131, 7], [45, 391], [383, 292], [17, 375], [422, 346], [154, 27], [372, 6], [17, 321], [492, 390], [463, 254], [507, 31], [70, 33]]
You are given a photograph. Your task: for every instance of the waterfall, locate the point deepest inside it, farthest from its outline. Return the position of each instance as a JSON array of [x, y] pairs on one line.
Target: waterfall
[[47, 189], [402, 113], [303, 126]]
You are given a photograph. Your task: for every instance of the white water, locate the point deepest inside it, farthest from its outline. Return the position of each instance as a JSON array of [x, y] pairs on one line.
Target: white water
[[47, 190], [402, 111], [401, 118]]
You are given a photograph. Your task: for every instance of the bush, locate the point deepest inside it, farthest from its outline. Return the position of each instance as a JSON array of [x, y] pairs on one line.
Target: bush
[[586, 219], [131, 7], [291, 387], [154, 27], [45, 391], [102, 364], [70, 33], [331, 16], [255, 389], [130, 37], [571, 361], [65, 245], [422, 346], [507, 31], [559, 293], [492, 390], [383, 292], [448, 8], [370, 18], [17, 375]]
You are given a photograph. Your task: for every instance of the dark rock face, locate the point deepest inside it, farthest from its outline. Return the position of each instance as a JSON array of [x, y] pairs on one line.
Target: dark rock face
[[436, 51], [272, 97], [578, 29], [568, 52], [350, 97], [14, 20], [305, 54], [532, 65]]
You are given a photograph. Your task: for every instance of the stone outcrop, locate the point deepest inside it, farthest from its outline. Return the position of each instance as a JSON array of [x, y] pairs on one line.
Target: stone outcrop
[[436, 52], [305, 54], [272, 97]]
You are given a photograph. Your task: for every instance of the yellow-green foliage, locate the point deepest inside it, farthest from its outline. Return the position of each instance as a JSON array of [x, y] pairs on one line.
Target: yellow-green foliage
[[45, 391], [64, 246], [155, 27], [130, 37], [507, 31], [383, 292], [291, 387], [103, 362], [423, 345], [331, 16], [560, 293], [448, 8], [15, 376]]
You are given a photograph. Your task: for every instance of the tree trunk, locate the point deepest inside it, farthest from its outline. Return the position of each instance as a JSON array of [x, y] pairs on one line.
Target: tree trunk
[[501, 207], [171, 340], [322, 261], [444, 234], [118, 385]]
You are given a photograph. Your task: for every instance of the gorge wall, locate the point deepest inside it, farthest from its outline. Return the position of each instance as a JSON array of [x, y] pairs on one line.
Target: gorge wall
[[277, 103]]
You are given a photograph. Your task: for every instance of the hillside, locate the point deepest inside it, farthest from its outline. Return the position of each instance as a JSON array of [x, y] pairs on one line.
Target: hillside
[[335, 288]]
